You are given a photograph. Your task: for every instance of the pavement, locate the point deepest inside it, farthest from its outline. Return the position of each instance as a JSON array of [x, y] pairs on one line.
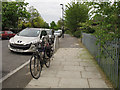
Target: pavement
[[71, 67]]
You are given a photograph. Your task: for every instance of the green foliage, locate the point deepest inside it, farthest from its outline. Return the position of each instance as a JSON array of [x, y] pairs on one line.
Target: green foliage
[[20, 25], [34, 12], [27, 24], [34, 15], [60, 23], [11, 12], [38, 22], [77, 33], [46, 25], [87, 27], [74, 14], [107, 17], [15, 15], [68, 32], [53, 25]]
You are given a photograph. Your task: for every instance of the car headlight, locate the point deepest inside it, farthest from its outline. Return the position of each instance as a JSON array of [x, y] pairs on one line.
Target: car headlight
[[33, 47]]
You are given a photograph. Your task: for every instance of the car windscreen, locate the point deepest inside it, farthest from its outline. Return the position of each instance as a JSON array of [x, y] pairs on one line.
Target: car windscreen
[[49, 32], [29, 33]]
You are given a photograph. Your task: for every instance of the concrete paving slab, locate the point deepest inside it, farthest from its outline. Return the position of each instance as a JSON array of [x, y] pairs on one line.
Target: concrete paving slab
[[48, 73], [70, 63], [73, 68], [88, 60], [70, 69], [45, 82], [97, 83], [55, 63], [86, 74], [60, 59], [73, 83], [69, 74], [85, 55], [91, 69], [37, 86], [86, 63], [56, 68]]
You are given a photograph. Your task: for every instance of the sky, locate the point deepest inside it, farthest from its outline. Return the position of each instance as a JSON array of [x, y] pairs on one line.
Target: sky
[[50, 10]]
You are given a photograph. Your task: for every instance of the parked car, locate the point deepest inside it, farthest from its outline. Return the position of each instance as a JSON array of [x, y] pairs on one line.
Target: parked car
[[51, 36], [60, 32], [6, 34], [57, 33], [25, 40]]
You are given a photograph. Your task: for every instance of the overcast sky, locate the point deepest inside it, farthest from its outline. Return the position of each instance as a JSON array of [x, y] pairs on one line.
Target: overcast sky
[[50, 10]]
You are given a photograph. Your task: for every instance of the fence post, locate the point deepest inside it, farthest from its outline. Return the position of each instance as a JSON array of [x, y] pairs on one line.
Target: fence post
[[99, 51], [119, 63], [81, 36]]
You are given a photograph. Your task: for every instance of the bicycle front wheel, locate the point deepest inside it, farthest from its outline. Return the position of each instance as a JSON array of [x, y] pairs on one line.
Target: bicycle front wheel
[[47, 61], [35, 67]]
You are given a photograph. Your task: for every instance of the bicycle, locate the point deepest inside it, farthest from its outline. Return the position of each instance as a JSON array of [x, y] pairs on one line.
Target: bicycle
[[40, 57]]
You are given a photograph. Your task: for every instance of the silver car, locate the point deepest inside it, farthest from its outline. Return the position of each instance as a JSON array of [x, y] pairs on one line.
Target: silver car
[[57, 33], [24, 41]]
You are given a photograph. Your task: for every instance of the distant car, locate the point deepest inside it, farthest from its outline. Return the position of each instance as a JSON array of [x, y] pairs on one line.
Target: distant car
[[24, 41], [60, 32], [6, 34], [57, 33]]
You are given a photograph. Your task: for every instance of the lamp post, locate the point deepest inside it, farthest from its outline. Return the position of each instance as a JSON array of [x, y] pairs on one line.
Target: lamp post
[[62, 20]]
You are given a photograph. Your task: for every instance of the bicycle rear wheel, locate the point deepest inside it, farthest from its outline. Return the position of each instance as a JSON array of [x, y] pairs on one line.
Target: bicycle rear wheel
[[35, 67]]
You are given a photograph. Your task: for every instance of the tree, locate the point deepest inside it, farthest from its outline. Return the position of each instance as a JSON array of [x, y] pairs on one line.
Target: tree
[[107, 15], [34, 14], [60, 23], [53, 25], [74, 14], [11, 12], [38, 22], [46, 25]]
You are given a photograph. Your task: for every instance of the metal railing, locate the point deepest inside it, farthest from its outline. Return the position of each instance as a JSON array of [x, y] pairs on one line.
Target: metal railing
[[106, 55]]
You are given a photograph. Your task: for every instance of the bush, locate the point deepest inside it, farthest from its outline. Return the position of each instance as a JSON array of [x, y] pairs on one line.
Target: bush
[[68, 32], [77, 34], [89, 30]]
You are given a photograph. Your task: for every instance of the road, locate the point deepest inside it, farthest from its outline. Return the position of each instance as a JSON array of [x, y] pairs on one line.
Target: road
[[13, 60], [10, 60]]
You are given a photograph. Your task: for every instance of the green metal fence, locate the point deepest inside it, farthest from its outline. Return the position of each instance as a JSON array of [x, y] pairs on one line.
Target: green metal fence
[[107, 56]]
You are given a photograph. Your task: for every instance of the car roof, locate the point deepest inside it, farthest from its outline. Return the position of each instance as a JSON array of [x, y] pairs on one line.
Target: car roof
[[31, 29], [37, 29], [5, 31], [59, 30], [47, 29]]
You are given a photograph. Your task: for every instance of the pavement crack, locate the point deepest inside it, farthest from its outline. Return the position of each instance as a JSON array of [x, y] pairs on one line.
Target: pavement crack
[[59, 81], [88, 83], [81, 74]]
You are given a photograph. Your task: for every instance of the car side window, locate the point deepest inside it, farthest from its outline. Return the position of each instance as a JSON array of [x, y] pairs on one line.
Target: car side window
[[9, 32], [43, 33]]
